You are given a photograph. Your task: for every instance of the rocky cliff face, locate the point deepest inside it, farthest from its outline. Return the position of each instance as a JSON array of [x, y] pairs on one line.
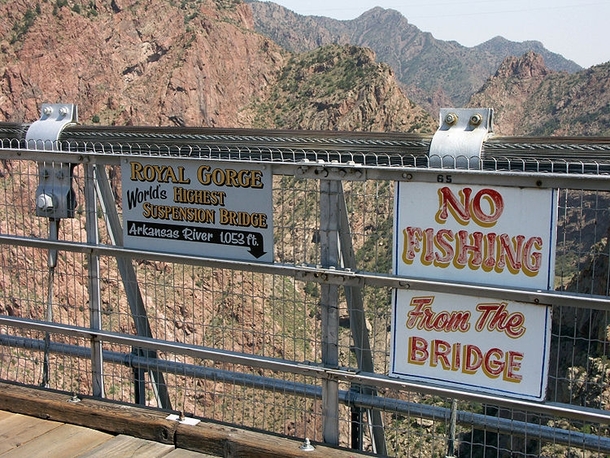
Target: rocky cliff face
[[509, 89], [530, 99], [160, 62], [435, 73], [134, 62], [340, 87]]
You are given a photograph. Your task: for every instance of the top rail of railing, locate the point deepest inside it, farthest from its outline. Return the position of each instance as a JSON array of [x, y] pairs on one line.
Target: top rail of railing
[[574, 155]]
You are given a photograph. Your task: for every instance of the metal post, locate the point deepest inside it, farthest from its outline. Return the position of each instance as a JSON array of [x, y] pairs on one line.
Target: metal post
[[360, 333], [452, 441], [51, 264], [329, 303], [134, 296], [93, 261]]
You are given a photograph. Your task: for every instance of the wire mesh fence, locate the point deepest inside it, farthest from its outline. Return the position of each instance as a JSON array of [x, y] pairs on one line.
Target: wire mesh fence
[[245, 344]]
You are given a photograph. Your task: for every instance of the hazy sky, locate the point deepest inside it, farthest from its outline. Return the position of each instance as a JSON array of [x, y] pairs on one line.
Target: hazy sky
[[577, 29]]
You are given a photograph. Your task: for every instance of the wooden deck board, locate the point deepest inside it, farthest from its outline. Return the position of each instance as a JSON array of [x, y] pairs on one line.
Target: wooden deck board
[[17, 430], [206, 438], [127, 446], [61, 442], [182, 453]]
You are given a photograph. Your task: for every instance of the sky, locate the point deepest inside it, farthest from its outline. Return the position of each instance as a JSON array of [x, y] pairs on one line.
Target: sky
[[576, 29]]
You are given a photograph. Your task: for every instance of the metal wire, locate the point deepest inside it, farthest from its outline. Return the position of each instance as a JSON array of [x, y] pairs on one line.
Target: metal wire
[[259, 313]]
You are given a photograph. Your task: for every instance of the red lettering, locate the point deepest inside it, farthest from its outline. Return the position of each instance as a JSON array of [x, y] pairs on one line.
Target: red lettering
[[460, 209], [475, 250], [412, 237], [493, 365], [496, 204], [473, 358], [513, 364], [440, 353], [463, 209], [464, 248], [496, 318], [422, 317], [513, 252], [418, 350], [468, 358], [532, 260]]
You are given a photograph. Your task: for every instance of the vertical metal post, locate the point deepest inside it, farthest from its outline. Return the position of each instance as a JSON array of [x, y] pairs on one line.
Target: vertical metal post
[[93, 261], [452, 441], [134, 297], [329, 303], [360, 333]]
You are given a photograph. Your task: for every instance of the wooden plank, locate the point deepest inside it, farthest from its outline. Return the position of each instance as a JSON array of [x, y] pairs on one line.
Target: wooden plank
[[93, 413], [182, 453], [207, 438], [220, 440], [61, 442], [17, 430], [122, 445]]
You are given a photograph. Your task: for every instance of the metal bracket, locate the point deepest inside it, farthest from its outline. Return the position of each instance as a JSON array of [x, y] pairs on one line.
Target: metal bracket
[[458, 142], [183, 420], [44, 133], [349, 171], [55, 197]]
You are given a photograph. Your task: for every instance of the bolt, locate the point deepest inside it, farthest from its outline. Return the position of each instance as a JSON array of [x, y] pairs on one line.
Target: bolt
[[47, 111], [63, 111], [307, 447], [44, 202], [476, 119], [451, 119]]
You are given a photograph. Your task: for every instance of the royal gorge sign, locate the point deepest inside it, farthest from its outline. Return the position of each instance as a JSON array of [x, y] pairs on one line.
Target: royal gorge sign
[[216, 209], [489, 235]]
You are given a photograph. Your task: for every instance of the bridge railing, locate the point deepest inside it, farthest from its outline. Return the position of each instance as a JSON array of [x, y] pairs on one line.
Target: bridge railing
[[297, 339]]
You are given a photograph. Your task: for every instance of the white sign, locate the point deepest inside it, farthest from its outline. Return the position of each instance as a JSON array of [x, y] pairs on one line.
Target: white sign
[[212, 209], [472, 343], [490, 235]]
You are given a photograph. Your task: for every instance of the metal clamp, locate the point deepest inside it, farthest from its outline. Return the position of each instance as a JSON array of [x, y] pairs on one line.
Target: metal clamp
[[55, 197], [44, 133], [458, 142]]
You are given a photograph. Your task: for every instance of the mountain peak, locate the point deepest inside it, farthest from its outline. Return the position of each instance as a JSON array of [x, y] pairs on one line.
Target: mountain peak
[[530, 65]]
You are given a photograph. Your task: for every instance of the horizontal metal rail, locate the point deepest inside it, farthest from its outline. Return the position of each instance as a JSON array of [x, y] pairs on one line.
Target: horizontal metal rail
[[572, 155], [350, 398], [307, 370], [322, 275]]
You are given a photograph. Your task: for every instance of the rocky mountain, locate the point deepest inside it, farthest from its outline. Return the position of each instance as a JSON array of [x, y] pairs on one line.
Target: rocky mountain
[[162, 62], [340, 87], [131, 62], [435, 73], [530, 99]]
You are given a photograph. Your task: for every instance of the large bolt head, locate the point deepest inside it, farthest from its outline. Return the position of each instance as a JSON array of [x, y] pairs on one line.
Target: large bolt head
[[45, 202]]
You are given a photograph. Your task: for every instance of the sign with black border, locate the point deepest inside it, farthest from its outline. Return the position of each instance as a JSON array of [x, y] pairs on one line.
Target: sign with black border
[[212, 209]]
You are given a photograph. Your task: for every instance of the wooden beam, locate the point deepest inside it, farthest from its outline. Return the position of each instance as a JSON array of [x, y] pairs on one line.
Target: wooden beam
[[147, 423]]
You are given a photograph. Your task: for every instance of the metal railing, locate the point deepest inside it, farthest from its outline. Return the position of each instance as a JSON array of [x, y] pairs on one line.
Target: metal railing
[[299, 345]]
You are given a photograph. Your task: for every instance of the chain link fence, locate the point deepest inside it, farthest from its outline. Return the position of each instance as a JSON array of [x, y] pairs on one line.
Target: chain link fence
[[248, 343]]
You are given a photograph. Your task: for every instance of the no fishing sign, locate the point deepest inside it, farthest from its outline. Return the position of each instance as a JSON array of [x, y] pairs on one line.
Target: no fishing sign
[[486, 235]]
